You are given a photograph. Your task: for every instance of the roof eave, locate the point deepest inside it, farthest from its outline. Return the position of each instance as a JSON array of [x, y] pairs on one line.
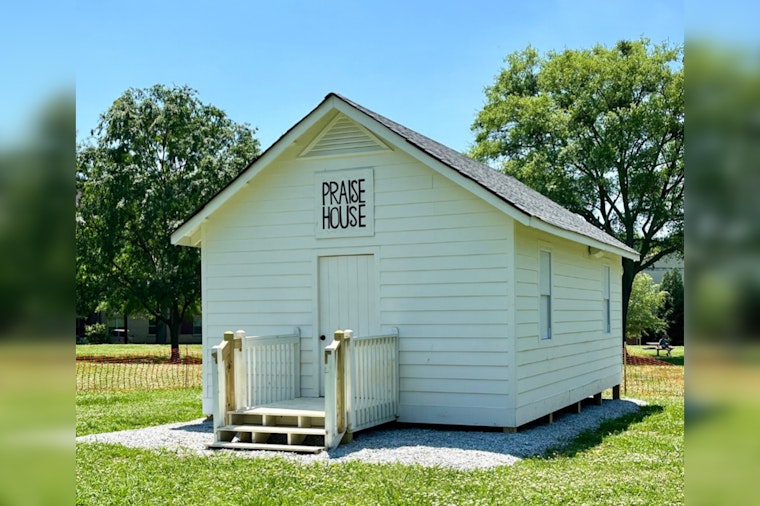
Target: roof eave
[[476, 187], [539, 224], [185, 233]]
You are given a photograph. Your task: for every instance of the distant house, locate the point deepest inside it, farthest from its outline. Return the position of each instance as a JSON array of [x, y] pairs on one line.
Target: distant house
[[141, 330], [507, 305], [665, 264]]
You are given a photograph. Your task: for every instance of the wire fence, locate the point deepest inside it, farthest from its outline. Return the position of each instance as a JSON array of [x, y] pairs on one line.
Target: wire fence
[[156, 369], [652, 376], [148, 370]]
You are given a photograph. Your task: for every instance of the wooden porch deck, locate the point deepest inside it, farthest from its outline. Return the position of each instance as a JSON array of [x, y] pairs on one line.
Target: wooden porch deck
[[252, 428], [257, 381], [300, 406]]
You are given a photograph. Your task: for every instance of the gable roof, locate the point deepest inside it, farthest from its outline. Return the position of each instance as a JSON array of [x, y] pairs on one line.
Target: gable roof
[[542, 212]]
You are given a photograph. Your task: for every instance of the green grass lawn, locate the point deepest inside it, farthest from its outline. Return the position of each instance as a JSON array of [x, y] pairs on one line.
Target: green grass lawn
[[133, 349], [676, 354], [110, 411], [637, 459]]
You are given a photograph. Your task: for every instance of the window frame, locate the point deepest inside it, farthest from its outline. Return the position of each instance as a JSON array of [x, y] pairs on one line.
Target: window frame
[[606, 300], [545, 288]]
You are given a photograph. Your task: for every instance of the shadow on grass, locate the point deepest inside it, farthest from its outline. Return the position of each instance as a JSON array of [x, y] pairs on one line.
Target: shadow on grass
[[672, 360], [592, 438]]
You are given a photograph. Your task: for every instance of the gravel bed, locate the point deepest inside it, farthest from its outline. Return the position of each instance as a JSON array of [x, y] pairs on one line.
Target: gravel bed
[[405, 444]]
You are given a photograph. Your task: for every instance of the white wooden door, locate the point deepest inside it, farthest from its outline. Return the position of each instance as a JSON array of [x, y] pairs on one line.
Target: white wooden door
[[347, 300]]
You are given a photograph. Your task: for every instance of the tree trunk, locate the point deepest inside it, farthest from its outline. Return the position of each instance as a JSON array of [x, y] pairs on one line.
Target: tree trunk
[[174, 329], [629, 272], [161, 327]]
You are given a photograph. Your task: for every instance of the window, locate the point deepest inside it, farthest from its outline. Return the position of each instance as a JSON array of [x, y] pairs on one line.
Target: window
[[606, 318], [545, 295]]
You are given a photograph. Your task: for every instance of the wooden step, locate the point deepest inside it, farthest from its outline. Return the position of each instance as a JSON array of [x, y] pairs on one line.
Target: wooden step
[[263, 446], [277, 411], [301, 406], [283, 429]]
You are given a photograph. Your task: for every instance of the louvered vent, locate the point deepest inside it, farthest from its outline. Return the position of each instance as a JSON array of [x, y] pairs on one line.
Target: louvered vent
[[343, 137]]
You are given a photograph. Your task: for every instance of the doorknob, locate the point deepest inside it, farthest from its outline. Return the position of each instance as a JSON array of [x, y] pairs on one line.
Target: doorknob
[[322, 337]]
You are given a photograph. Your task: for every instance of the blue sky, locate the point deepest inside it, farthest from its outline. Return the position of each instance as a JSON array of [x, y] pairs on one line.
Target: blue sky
[[423, 64]]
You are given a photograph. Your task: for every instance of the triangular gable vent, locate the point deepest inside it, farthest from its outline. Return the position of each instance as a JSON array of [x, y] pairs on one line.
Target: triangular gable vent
[[343, 137]]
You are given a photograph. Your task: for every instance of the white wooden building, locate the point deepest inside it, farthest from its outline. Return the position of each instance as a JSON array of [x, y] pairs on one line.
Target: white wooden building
[[507, 306]]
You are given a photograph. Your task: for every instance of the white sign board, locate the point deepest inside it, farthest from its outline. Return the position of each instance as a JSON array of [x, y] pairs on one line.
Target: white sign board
[[345, 203]]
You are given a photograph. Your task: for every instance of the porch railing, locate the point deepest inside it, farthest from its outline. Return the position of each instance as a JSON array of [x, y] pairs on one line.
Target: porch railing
[[361, 383], [335, 388], [254, 370], [373, 389], [361, 378], [273, 366], [228, 376]]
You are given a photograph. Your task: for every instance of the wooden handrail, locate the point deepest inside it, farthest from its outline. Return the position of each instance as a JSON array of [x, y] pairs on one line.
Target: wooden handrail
[[335, 388], [230, 374], [392, 333]]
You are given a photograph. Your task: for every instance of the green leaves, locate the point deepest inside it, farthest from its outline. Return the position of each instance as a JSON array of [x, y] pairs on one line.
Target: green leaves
[[644, 308], [156, 155], [599, 131]]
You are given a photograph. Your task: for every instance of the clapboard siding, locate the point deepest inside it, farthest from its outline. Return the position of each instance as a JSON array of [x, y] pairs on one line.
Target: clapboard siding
[[457, 276], [258, 271], [444, 289], [443, 257], [464, 276], [276, 283], [463, 372], [579, 357], [454, 334], [453, 266]]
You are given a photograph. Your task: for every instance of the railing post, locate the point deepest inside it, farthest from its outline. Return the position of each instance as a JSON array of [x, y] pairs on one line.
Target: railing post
[[239, 370], [396, 372], [348, 386], [218, 417], [225, 388], [335, 406], [228, 358], [296, 360], [344, 380]]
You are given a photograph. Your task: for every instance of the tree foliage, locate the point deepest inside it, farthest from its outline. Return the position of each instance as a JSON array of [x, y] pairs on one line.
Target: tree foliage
[[673, 308], [156, 155], [645, 307], [600, 132]]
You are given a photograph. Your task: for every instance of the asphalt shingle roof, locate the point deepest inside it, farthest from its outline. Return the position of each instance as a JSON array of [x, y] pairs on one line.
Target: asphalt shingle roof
[[509, 189]]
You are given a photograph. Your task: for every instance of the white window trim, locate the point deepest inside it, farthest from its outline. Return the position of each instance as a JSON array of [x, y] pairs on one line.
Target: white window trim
[[606, 300], [549, 312]]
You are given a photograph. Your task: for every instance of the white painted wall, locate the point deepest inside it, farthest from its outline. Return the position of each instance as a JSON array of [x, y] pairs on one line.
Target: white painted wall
[[443, 279], [580, 359], [457, 276]]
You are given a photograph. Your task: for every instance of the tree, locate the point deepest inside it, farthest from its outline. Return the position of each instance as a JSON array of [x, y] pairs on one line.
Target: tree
[[645, 308], [35, 226], [600, 132], [672, 309], [155, 156]]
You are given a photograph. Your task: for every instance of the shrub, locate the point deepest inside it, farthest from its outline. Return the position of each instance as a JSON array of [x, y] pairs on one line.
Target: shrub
[[672, 310], [644, 307], [97, 333]]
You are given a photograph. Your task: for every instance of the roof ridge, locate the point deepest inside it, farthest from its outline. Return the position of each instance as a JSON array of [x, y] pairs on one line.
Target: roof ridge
[[508, 188]]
